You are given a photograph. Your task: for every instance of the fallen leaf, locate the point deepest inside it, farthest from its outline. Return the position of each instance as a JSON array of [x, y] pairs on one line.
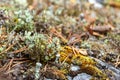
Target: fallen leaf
[[83, 51], [102, 29], [99, 30], [32, 4], [115, 3]]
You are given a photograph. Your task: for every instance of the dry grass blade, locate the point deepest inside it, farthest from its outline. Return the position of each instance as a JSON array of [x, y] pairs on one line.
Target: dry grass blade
[[117, 61]]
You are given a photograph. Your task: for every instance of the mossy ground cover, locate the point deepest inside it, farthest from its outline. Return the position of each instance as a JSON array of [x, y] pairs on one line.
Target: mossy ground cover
[[59, 39]]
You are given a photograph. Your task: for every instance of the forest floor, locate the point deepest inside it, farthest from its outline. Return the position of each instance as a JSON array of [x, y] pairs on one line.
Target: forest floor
[[59, 40]]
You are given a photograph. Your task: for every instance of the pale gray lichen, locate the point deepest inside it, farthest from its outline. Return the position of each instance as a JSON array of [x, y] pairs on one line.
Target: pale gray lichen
[[41, 46], [37, 70]]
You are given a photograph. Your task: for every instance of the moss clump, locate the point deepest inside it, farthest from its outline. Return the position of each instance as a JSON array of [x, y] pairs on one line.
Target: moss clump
[[86, 64]]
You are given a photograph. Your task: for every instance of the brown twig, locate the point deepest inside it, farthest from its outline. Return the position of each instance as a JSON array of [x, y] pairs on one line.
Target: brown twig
[[4, 67], [55, 32], [19, 63], [8, 48], [19, 59], [7, 66], [20, 50], [10, 64]]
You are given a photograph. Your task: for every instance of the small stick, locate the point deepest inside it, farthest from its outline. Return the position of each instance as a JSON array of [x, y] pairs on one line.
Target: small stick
[[20, 50], [8, 48]]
